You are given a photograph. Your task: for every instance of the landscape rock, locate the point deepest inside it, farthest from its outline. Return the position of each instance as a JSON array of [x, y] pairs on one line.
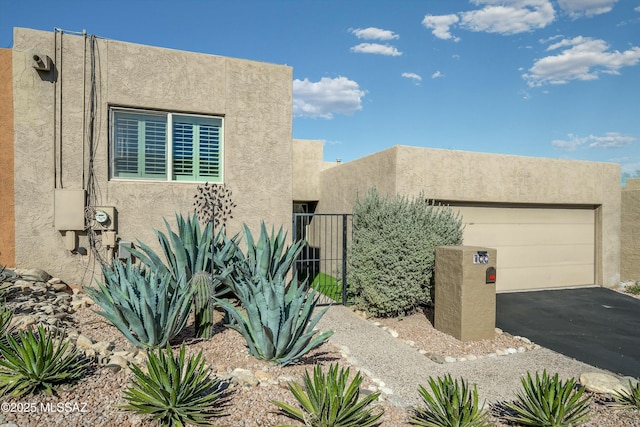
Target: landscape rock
[[32, 274], [84, 342], [118, 361], [597, 382], [244, 377]]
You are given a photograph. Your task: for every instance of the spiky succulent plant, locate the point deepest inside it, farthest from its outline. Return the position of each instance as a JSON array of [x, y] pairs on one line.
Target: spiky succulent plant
[[628, 398], [327, 400], [37, 361], [175, 390], [142, 304], [549, 401], [276, 318], [450, 404]]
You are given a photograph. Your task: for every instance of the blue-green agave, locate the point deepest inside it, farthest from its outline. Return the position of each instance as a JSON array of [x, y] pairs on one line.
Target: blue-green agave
[[143, 304], [277, 318]]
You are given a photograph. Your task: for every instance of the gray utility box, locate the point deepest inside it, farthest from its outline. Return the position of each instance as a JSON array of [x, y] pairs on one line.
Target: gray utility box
[[465, 292]]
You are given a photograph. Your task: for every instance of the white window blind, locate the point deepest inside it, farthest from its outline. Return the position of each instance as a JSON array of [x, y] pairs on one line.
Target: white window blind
[[140, 146]]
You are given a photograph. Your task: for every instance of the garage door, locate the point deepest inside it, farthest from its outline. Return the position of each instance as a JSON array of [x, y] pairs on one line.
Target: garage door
[[538, 248]]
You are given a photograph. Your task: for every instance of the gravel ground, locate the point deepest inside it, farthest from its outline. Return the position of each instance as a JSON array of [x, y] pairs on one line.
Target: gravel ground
[[93, 401]]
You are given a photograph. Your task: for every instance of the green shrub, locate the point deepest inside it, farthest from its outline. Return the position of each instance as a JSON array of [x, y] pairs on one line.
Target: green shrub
[[276, 318], [633, 288], [143, 305], [629, 399], [37, 361], [548, 401], [393, 251], [175, 391], [327, 400], [452, 405]]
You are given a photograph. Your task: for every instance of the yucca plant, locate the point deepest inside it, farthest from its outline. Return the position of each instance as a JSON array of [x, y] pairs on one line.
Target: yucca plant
[[277, 318], [328, 401], [450, 404], [176, 390], [37, 361], [143, 305], [630, 398], [549, 401]]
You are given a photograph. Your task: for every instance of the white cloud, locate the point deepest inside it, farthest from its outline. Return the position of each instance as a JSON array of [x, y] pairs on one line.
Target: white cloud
[[376, 48], [326, 97], [583, 59], [609, 140], [413, 76], [637, 9], [508, 16], [441, 25], [437, 75], [496, 16], [579, 8], [373, 33], [568, 145]]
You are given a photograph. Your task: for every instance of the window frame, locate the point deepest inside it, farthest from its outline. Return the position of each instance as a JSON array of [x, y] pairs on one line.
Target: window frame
[[170, 175]]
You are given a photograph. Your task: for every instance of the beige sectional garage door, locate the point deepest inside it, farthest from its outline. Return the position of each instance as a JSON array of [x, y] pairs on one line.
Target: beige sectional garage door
[[538, 248]]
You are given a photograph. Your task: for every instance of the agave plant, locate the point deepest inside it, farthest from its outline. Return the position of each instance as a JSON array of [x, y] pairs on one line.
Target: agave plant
[[327, 400], [143, 305], [188, 251], [175, 391], [450, 404], [276, 321], [37, 361], [269, 257], [548, 401], [630, 398]]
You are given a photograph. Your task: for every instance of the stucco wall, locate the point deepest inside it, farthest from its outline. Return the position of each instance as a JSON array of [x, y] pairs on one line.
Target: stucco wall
[[630, 231], [7, 230], [254, 98], [479, 177], [341, 184], [307, 162]]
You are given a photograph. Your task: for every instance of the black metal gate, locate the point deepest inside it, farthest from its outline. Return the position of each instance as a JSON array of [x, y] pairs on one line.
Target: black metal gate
[[323, 261]]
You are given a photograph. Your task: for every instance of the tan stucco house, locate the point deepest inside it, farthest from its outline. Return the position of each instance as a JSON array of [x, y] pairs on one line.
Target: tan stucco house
[[89, 124]]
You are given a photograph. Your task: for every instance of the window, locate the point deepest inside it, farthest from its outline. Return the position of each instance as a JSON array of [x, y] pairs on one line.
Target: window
[[166, 146]]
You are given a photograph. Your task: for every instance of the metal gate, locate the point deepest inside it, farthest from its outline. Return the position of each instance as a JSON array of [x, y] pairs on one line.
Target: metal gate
[[323, 261]]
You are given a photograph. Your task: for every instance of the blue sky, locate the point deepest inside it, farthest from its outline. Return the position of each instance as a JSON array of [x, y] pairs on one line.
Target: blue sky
[[558, 79]]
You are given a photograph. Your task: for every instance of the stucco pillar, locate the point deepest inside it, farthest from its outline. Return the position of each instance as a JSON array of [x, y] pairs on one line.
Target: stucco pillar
[[465, 305]]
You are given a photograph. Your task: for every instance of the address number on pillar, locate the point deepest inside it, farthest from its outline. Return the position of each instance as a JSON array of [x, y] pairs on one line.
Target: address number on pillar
[[481, 257]]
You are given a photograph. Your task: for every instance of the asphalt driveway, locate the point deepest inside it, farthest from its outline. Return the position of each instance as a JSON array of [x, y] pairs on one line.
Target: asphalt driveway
[[597, 326]]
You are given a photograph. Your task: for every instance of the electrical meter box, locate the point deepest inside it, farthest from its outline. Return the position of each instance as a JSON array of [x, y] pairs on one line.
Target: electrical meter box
[[465, 292], [104, 218]]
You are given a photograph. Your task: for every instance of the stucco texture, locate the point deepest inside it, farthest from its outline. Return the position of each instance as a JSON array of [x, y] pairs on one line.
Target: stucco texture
[[7, 231], [449, 175], [630, 231], [307, 163], [254, 98]]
